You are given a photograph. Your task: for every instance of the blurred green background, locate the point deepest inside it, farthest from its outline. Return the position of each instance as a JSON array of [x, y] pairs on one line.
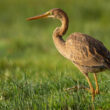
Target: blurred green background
[[29, 59]]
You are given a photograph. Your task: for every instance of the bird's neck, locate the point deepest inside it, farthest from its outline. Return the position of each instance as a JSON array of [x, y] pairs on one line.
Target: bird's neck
[[57, 36], [64, 26], [60, 31]]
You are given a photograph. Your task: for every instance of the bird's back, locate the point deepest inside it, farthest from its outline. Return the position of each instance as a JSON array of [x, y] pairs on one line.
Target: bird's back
[[85, 51]]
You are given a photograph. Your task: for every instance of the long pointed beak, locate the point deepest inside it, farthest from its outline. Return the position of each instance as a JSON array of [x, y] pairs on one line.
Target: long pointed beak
[[39, 16]]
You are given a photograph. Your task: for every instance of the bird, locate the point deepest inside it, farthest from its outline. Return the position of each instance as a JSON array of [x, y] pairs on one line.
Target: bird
[[88, 54]]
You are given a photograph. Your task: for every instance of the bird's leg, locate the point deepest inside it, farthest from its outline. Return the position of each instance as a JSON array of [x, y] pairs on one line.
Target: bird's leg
[[91, 87], [97, 86]]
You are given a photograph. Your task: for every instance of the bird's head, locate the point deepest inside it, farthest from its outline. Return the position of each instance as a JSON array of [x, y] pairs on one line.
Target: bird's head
[[53, 13]]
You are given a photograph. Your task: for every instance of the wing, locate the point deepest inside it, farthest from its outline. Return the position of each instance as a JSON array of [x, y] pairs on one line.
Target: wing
[[87, 51]]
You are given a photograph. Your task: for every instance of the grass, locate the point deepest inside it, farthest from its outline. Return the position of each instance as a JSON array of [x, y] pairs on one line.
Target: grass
[[33, 75]]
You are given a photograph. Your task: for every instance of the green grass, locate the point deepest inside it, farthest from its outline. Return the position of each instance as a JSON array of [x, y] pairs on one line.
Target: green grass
[[33, 75]]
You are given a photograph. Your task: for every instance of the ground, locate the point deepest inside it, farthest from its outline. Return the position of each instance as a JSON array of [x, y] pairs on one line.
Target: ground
[[33, 75]]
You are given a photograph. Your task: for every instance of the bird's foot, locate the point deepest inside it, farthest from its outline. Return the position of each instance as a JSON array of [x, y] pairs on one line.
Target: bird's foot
[[72, 88], [92, 90], [77, 88]]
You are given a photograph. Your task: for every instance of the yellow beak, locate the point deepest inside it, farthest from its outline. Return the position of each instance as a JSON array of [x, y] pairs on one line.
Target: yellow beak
[[39, 16]]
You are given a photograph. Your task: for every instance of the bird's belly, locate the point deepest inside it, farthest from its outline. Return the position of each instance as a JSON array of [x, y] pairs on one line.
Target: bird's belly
[[90, 69]]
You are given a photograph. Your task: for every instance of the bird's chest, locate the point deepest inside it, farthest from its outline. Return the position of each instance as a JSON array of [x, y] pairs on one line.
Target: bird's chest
[[77, 51]]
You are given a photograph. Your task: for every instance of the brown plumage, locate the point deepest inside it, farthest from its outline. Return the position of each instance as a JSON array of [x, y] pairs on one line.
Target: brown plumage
[[87, 53]]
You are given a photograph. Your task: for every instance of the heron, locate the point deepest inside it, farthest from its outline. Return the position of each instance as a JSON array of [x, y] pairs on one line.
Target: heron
[[88, 54]]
